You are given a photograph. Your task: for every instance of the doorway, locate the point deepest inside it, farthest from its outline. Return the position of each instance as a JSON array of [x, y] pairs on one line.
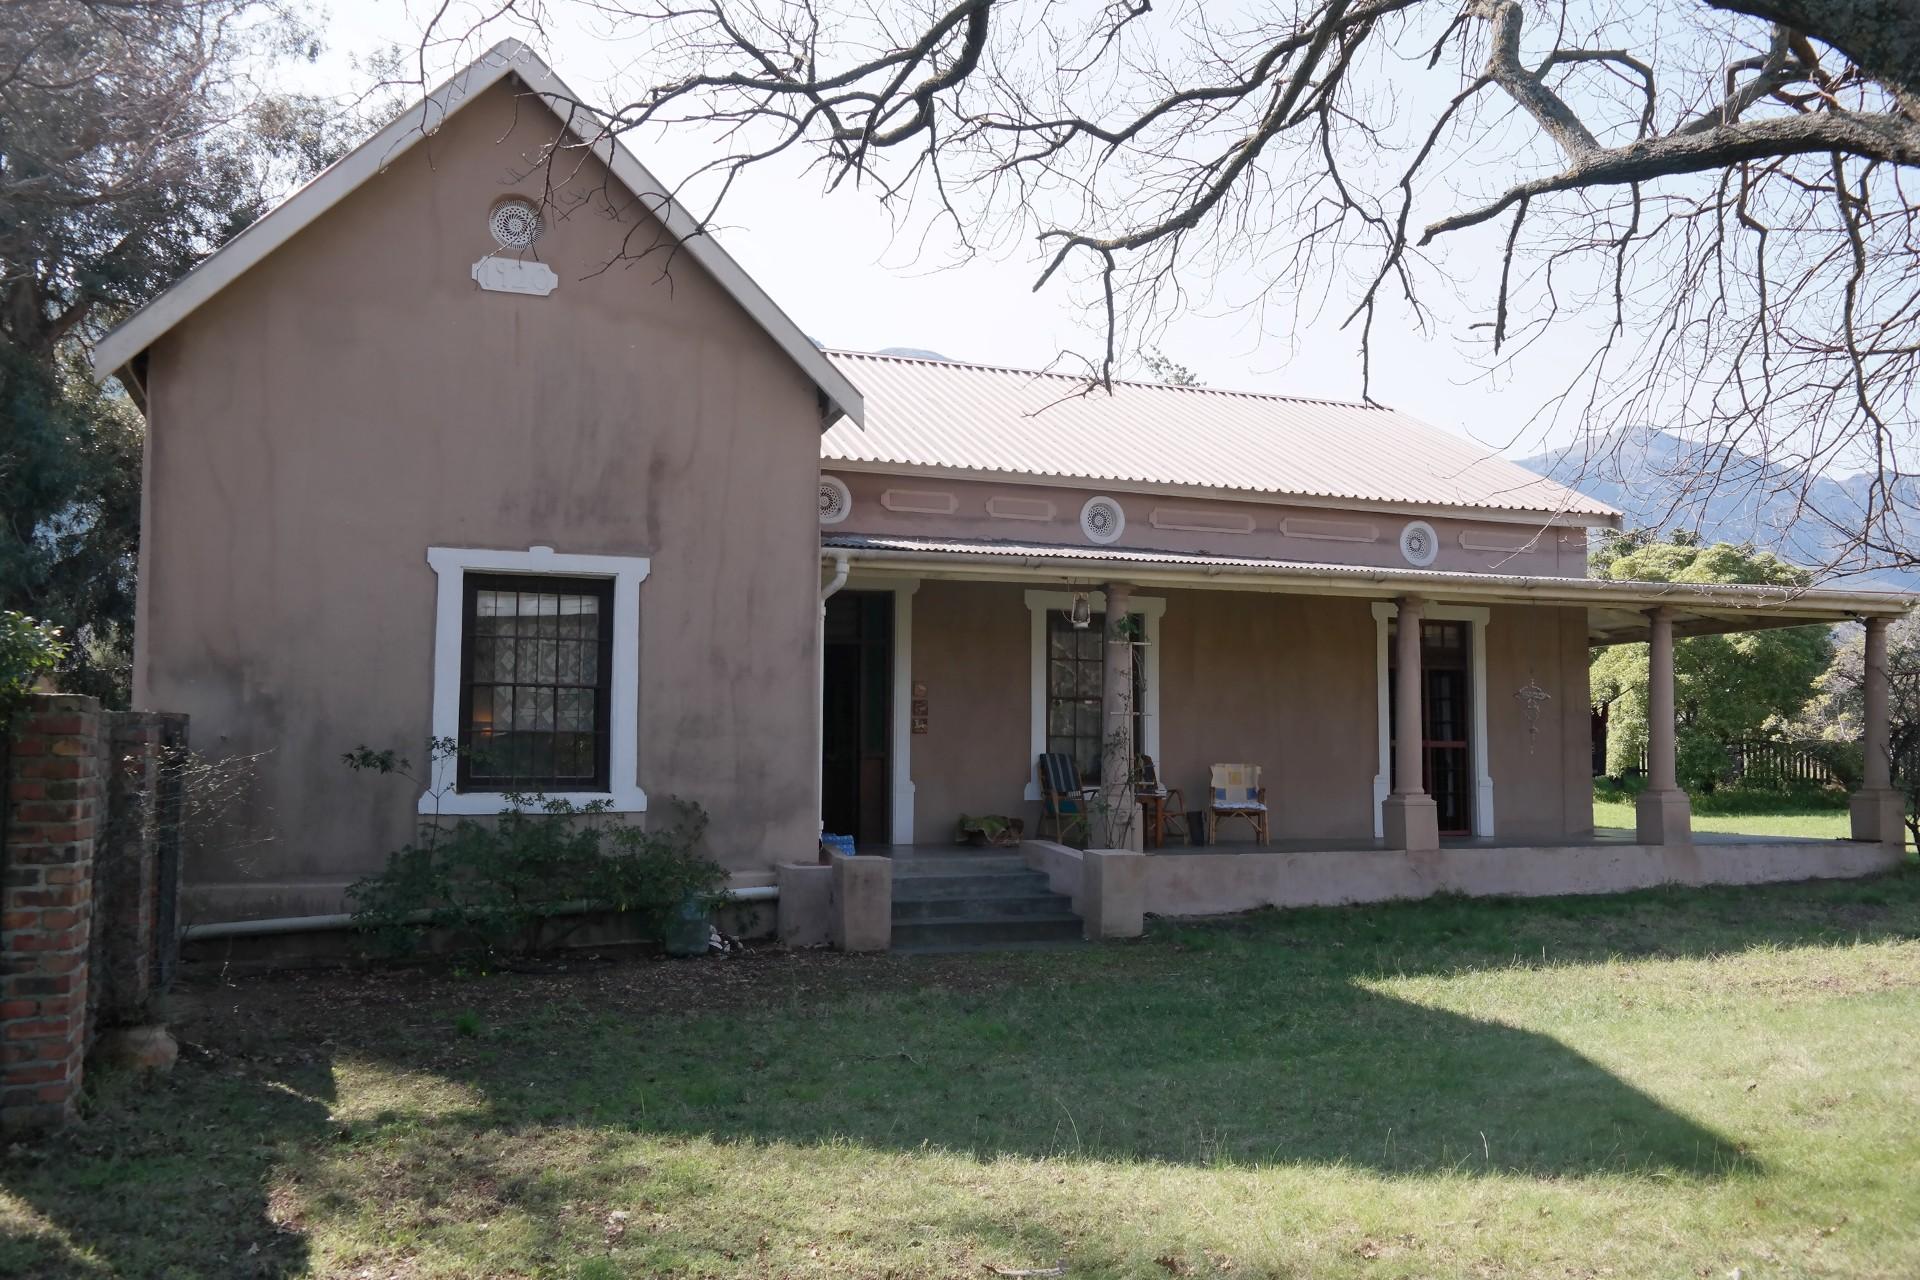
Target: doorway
[[1446, 702], [857, 717]]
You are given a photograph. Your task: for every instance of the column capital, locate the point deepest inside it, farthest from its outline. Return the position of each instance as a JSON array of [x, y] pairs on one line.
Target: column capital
[[1415, 605], [1659, 613]]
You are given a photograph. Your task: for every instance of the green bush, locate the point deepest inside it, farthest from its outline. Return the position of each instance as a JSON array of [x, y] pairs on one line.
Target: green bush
[[516, 882], [28, 650]]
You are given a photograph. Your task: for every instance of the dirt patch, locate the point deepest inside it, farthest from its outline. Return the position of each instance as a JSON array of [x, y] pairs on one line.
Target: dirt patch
[[249, 1012]]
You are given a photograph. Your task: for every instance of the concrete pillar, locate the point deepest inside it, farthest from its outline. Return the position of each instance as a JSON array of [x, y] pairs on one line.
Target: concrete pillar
[[1409, 817], [1664, 815], [1113, 893], [1879, 811], [862, 918], [805, 916], [1114, 826]]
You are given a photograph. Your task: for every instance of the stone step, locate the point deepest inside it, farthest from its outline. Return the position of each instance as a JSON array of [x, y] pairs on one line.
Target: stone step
[[1004, 906], [970, 948], [985, 932], [1012, 883], [957, 863]]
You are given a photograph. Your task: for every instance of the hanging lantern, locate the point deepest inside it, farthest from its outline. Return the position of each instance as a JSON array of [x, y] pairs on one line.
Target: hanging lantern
[[1082, 612]]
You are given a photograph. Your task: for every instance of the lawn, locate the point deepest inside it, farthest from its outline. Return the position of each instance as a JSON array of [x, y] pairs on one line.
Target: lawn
[[1831, 824], [1673, 1083], [1786, 820]]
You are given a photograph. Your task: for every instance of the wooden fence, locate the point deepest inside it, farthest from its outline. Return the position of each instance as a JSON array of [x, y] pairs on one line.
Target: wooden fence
[[1784, 766]]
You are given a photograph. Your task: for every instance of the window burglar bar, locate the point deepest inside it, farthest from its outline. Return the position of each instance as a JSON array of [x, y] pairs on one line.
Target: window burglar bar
[[535, 683]]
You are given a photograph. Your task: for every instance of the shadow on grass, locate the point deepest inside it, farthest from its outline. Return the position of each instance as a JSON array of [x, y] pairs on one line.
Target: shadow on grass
[[1254, 1041], [167, 1176]]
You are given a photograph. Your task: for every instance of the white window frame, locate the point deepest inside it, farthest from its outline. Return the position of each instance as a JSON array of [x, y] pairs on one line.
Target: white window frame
[[451, 565], [1383, 610], [1039, 603]]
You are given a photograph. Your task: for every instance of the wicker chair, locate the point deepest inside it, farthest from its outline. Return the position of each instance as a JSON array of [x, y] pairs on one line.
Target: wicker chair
[[1237, 793]]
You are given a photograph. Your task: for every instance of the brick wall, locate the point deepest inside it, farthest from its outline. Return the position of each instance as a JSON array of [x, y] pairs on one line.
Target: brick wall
[[85, 894], [56, 792]]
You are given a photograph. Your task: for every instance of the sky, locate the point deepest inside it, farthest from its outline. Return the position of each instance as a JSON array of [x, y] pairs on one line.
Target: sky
[[833, 262]]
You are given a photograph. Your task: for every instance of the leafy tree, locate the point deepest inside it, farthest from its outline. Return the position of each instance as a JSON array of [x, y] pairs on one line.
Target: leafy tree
[[28, 650], [1725, 688], [1170, 371], [133, 141]]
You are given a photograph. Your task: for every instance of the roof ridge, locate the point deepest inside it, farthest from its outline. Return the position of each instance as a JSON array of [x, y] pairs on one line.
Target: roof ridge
[[1371, 406]]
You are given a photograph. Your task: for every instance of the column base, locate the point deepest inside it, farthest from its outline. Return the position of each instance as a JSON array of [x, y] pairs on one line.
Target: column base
[[1880, 816], [1113, 890], [1411, 822], [1664, 817]]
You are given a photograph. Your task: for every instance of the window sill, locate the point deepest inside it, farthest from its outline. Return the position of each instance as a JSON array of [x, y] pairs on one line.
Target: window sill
[[469, 804]]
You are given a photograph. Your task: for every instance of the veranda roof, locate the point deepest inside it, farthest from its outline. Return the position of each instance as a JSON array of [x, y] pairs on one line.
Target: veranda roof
[[1616, 611], [978, 421]]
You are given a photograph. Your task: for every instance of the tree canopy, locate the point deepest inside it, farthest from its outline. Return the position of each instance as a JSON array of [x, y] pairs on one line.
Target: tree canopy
[[134, 139], [1726, 688]]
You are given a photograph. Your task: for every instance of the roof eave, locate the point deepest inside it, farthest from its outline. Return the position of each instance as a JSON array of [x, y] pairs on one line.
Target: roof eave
[[1454, 511], [1781, 607]]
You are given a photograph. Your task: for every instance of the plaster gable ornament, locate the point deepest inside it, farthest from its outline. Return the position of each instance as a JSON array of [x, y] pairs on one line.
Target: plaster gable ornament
[[1419, 543], [836, 503], [1102, 520], [510, 275], [1531, 697], [515, 224]]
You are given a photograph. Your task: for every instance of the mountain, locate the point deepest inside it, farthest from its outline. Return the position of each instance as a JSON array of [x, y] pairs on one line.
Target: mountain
[[1649, 477]]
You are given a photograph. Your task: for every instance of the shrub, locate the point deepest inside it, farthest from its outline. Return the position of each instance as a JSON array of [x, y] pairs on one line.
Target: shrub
[[28, 650], [506, 883]]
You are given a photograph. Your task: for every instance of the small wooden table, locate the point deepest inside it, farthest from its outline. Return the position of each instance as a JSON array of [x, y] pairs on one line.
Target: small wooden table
[[1158, 809]]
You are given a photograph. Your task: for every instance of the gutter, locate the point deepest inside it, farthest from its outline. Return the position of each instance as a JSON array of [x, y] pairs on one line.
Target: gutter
[[282, 925]]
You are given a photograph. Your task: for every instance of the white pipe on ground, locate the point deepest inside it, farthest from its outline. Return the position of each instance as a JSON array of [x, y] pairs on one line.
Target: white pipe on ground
[[321, 924]]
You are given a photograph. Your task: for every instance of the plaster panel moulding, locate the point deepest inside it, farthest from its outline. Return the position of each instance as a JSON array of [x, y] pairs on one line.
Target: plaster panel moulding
[[1191, 520], [1484, 540], [926, 502], [1020, 508], [1329, 530]]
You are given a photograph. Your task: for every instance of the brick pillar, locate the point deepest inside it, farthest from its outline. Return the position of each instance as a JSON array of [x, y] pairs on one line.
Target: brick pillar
[[55, 790]]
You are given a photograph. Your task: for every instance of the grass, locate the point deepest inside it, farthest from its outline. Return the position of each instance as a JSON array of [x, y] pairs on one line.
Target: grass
[[1825, 824], [1740, 813], [1673, 1083]]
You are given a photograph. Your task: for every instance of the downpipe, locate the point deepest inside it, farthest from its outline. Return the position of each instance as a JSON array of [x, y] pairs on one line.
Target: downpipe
[[282, 925]]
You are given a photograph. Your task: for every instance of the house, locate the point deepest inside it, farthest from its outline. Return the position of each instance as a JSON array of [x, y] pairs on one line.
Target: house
[[459, 443]]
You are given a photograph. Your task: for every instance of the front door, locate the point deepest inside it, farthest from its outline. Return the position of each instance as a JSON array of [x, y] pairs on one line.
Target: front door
[[1445, 716], [857, 715]]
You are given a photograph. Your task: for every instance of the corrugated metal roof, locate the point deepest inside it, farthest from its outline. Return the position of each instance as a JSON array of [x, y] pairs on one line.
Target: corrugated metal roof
[[969, 417]]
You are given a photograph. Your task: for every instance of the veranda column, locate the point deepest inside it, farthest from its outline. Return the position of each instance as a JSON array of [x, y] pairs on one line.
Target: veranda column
[[1408, 815], [1878, 810], [1664, 816], [1115, 826]]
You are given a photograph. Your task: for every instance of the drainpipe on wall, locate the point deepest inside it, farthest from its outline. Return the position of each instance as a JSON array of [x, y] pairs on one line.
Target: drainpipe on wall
[[839, 580]]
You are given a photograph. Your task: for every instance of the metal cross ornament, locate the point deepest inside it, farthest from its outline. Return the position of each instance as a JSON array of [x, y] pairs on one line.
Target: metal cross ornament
[[1531, 696]]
